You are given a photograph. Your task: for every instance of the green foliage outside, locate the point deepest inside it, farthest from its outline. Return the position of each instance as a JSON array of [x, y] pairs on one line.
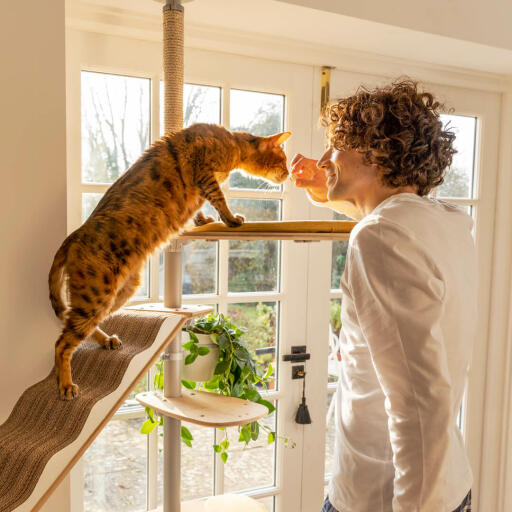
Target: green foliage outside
[[260, 324], [339, 258]]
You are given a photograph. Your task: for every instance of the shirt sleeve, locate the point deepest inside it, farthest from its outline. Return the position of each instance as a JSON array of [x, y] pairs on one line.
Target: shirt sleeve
[[399, 298]]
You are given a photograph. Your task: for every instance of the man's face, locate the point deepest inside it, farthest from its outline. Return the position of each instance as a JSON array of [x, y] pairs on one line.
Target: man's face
[[347, 176]]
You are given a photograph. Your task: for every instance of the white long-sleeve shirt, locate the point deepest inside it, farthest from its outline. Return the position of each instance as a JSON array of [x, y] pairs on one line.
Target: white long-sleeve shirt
[[409, 311]]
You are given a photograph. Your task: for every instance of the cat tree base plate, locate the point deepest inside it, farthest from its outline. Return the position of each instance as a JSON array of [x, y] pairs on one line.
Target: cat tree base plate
[[203, 408]]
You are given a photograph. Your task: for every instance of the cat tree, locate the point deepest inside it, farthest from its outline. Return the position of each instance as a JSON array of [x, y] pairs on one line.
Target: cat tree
[[179, 404]]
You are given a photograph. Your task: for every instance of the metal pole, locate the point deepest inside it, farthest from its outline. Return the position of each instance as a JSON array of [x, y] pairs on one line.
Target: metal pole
[[172, 382], [173, 53]]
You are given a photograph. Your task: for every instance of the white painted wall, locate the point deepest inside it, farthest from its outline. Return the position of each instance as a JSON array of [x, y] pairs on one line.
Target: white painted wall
[[33, 205]]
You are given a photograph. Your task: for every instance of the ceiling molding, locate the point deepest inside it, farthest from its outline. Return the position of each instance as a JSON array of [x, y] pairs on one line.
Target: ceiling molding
[[86, 16]]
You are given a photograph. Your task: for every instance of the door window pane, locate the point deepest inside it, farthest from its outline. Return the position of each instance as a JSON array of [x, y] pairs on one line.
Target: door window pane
[[250, 467], [115, 468], [115, 124], [201, 104], [260, 114], [253, 265], [196, 464], [459, 178], [334, 333], [339, 256], [260, 321], [89, 202]]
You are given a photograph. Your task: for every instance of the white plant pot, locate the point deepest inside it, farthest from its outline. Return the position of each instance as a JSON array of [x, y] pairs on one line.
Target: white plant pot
[[203, 367]]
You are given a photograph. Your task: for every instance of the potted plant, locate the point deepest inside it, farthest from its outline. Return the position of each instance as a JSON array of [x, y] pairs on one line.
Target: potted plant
[[200, 343], [235, 373]]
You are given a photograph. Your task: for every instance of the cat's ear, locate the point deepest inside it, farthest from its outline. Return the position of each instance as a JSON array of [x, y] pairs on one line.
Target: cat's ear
[[273, 141]]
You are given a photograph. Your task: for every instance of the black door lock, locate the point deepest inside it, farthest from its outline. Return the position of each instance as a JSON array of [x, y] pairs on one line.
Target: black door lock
[[298, 354]]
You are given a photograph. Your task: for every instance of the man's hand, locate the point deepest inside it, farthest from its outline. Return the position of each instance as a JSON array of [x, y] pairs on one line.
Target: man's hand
[[307, 175]]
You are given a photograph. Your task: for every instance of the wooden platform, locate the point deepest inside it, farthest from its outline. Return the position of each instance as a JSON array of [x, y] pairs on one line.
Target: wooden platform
[[187, 311], [203, 408], [290, 230]]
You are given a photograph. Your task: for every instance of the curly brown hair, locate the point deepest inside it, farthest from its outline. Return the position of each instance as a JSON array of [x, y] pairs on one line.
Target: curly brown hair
[[397, 128]]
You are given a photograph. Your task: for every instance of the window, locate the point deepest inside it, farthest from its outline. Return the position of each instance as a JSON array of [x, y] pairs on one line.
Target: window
[[123, 468]]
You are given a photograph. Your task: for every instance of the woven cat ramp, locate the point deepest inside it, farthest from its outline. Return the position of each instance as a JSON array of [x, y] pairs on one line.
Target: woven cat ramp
[[45, 436]]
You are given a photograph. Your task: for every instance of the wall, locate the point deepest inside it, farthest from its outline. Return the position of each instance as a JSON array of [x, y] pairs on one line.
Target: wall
[[33, 206]]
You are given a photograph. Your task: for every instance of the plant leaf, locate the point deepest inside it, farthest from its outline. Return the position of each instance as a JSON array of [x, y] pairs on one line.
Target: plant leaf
[[148, 426], [252, 395], [271, 408], [189, 384], [190, 358], [245, 434], [222, 367], [185, 433], [213, 383], [193, 337], [203, 351], [217, 448], [188, 345], [255, 430], [224, 457], [150, 413]]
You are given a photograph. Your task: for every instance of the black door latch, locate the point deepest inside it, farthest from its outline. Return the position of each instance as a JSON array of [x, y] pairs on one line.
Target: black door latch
[[298, 355]]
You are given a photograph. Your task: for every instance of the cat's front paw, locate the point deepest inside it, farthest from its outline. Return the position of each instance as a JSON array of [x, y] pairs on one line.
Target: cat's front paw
[[112, 343], [236, 221], [68, 392]]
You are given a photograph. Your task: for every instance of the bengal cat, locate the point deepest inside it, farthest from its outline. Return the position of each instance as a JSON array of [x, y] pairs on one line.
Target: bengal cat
[[97, 268]]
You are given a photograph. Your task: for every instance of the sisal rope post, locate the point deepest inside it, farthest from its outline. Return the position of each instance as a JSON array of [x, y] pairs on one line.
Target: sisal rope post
[[173, 57], [173, 66]]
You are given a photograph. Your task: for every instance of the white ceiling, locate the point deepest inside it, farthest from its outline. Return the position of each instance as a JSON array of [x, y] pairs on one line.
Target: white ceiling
[[284, 20]]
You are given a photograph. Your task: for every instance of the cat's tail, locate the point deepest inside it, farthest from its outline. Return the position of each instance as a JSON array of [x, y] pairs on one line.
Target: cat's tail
[[56, 278]]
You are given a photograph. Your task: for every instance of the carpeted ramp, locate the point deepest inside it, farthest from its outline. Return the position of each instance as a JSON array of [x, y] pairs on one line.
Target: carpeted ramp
[[41, 424]]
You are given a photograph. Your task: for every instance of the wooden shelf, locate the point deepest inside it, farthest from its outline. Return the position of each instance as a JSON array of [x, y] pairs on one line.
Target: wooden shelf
[[203, 408], [307, 230], [189, 310]]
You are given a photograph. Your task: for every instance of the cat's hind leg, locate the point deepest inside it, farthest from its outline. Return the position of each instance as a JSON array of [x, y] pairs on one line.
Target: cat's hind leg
[[77, 327], [127, 290], [112, 342], [82, 319]]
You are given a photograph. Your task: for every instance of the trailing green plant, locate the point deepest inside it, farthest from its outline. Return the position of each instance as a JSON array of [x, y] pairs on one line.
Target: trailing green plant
[[236, 374]]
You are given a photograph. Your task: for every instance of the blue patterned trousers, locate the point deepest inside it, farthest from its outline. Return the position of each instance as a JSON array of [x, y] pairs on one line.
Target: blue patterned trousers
[[465, 506]]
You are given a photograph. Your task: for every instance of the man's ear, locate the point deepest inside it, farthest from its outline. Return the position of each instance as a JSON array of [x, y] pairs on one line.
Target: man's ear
[[273, 141]]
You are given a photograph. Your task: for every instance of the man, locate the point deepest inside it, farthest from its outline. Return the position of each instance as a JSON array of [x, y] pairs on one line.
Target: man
[[409, 304]]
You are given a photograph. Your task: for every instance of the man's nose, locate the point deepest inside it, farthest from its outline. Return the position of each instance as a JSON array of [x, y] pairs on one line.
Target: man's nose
[[324, 161]]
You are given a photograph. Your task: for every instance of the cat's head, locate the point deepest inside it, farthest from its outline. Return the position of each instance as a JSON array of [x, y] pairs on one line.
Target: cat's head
[[266, 158]]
